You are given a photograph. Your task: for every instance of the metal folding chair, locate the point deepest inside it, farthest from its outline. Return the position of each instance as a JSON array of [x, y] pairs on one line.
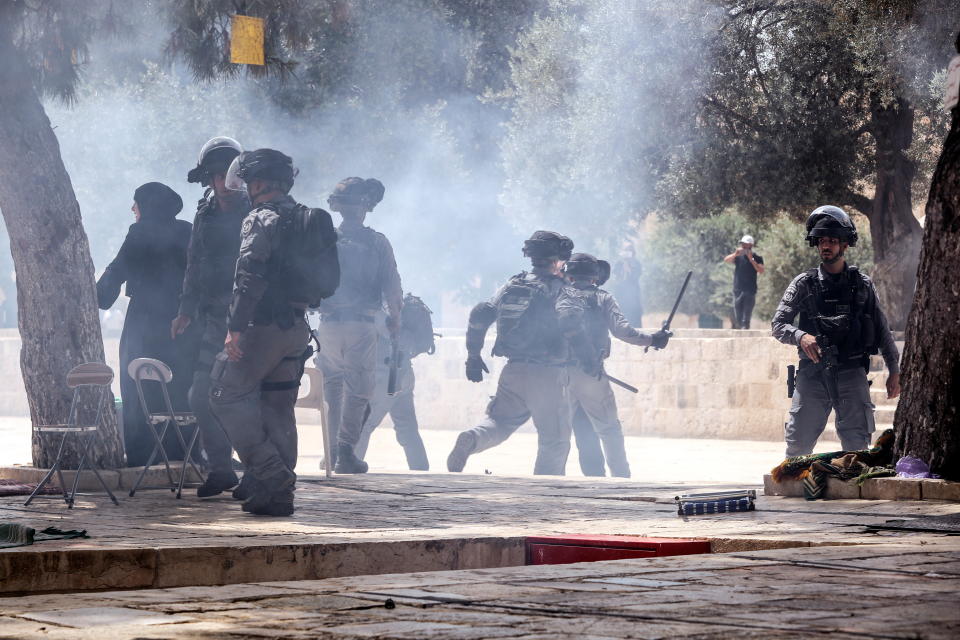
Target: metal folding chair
[[96, 378], [153, 370]]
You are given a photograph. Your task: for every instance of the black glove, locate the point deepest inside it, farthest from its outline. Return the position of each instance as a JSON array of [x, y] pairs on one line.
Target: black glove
[[475, 368], [660, 338]]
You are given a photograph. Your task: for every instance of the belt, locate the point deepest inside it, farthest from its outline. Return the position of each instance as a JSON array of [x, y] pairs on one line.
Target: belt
[[539, 362], [346, 317]]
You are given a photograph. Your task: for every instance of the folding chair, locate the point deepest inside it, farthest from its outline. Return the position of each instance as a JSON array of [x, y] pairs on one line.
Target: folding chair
[[90, 374], [315, 400], [151, 369]]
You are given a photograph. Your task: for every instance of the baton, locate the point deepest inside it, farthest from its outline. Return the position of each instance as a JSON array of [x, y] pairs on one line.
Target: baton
[[620, 383], [394, 365], [666, 323]]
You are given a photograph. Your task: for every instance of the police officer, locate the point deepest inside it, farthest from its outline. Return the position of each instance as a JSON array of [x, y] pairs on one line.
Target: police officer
[[255, 377], [207, 286], [533, 382], [840, 325], [588, 315], [400, 406], [348, 335]]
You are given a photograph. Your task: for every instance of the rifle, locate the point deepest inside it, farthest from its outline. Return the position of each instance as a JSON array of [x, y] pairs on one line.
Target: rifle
[[828, 365], [666, 323], [394, 367]]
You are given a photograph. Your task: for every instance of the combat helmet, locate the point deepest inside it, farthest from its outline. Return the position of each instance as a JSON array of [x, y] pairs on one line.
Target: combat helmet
[[215, 157], [263, 164], [357, 191], [548, 244], [582, 264], [830, 222]]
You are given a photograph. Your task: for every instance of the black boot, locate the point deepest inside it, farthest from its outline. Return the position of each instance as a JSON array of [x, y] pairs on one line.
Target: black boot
[[248, 484], [274, 503], [466, 443], [347, 460], [216, 483]]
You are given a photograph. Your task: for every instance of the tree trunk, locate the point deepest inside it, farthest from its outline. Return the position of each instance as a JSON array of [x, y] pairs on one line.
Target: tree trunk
[[57, 311], [927, 419], [895, 231]]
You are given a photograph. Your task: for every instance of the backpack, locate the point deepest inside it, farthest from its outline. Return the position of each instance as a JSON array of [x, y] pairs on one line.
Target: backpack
[[524, 310], [309, 269], [416, 327]]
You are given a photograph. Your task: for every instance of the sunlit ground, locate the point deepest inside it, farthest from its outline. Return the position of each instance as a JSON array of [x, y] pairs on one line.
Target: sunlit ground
[[651, 459]]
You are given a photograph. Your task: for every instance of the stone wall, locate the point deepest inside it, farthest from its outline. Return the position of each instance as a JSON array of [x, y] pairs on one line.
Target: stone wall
[[709, 383]]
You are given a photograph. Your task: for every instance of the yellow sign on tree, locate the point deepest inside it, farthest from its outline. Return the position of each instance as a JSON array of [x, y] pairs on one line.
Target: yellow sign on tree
[[246, 40]]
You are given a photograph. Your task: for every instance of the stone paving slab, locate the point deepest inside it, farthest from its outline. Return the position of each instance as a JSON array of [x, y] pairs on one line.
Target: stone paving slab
[[890, 590], [381, 523]]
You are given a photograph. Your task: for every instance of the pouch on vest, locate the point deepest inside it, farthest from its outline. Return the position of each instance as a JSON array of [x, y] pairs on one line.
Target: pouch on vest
[[520, 313]]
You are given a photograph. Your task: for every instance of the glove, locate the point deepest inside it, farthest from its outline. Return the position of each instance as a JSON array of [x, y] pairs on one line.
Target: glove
[[475, 368], [660, 338]]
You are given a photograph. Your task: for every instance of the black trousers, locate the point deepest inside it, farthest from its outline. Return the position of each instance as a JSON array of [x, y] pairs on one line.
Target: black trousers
[[743, 302]]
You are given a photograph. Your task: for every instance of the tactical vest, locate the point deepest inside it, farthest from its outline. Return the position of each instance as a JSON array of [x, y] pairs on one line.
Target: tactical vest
[[594, 322], [844, 312], [360, 288], [219, 237], [527, 327]]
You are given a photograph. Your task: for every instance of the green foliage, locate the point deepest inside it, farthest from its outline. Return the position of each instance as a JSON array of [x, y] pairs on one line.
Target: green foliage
[[595, 107], [676, 246], [791, 117]]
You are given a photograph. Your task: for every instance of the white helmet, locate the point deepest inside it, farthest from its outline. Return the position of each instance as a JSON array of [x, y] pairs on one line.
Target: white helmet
[[748, 239]]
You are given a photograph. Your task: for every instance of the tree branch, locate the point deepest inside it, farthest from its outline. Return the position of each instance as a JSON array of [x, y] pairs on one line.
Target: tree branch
[[713, 102], [858, 201]]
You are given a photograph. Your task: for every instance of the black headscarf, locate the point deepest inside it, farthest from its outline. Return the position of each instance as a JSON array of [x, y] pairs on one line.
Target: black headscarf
[[157, 201]]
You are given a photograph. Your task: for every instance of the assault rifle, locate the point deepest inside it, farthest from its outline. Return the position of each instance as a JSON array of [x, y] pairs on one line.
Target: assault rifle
[[828, 366], [394, 367]]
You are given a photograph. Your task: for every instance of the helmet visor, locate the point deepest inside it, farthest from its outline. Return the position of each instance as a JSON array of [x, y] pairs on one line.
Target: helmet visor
[[234, 182]]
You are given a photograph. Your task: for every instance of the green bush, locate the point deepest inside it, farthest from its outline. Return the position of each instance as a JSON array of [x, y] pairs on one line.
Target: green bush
[[675, 246]]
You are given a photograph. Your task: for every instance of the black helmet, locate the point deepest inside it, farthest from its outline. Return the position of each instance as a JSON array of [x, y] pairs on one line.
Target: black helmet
[[604, 272], [830, 222], [215, 157], [582, 264], [547, 244], [265, 164], [357, 191]]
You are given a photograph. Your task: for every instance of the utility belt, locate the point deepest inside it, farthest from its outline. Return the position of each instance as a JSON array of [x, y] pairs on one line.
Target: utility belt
[[340, 316], [538, 362], [283, 315], [861, 362]]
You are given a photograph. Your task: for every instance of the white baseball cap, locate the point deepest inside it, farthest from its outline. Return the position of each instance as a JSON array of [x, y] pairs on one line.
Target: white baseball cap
[[747, 240]]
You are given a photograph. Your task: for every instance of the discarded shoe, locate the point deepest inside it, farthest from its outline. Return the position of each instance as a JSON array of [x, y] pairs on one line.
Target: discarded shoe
[[466, 443], [216, 483], [348, 462]]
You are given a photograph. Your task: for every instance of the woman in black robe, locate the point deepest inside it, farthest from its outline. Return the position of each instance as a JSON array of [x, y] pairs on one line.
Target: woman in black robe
[[151, 262]]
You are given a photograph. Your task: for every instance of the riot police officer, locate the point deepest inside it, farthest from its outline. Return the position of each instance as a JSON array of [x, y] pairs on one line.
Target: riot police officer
[[287, 262], [347, 332], [533, 381], [840, 325], [207, 286], [587, 316]]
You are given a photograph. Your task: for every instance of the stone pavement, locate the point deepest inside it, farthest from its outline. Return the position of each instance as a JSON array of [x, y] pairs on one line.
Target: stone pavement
[[879, 591], [380, 523]]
